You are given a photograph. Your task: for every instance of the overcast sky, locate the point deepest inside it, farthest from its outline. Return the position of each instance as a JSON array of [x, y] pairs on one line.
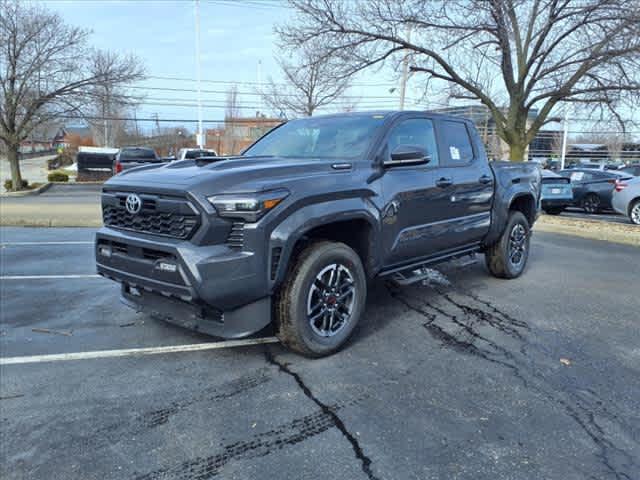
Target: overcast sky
[[235, 38]]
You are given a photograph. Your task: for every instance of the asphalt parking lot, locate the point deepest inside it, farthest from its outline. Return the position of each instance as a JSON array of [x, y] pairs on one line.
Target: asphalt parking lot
[[468, 377]]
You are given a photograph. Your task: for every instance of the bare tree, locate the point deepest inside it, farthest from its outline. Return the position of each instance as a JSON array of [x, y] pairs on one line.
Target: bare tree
[[48, 71], [312, 81], [517, 57]]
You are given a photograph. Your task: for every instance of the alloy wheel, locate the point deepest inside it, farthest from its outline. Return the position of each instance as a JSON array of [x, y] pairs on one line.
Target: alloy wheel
[[517, 244], [635, 213], [591, 204], [331, 300]]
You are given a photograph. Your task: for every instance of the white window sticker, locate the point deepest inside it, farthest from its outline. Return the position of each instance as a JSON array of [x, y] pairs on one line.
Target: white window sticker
[[454, 152], [577, 176]]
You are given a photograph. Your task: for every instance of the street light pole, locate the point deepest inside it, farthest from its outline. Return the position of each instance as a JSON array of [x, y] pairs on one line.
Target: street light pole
[[564, 138], [199, 136]]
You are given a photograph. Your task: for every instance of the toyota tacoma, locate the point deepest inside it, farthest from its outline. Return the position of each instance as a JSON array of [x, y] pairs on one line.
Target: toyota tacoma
[[292, 230]]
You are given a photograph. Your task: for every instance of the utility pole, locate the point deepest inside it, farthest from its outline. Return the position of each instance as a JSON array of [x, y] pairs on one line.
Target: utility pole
[[199, 136], [564, 138], [405, 71]]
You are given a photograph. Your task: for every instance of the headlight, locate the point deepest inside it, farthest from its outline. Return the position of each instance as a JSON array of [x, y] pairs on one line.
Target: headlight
[[248, 206]]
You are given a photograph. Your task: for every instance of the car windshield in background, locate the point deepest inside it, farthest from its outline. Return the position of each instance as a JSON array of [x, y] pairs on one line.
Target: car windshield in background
[[328, 137], [137, 153]]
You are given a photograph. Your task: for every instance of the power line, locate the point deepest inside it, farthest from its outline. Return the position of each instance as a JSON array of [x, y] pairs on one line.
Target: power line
[[229, 82], [224, 92]]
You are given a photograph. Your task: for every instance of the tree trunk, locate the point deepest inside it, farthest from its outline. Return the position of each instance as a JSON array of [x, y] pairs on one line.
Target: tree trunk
[[517, 151], [16, 177]]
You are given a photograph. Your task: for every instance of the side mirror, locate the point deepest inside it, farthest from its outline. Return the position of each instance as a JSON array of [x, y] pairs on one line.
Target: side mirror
[[408, 155]]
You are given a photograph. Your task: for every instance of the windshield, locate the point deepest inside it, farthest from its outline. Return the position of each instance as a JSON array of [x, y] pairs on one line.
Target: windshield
[[329, 137]]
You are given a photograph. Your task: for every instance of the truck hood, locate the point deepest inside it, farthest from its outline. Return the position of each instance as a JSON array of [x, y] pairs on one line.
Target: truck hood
[[229, 175]]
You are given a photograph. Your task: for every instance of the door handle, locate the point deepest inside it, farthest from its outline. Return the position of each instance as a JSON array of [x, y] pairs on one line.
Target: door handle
[[485, 179], [444, 182]]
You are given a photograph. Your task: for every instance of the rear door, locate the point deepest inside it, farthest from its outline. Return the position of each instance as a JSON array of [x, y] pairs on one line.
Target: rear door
[[464, 185]]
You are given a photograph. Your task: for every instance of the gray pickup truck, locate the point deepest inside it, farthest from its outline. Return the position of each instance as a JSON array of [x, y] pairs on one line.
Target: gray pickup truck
[[291, 231]]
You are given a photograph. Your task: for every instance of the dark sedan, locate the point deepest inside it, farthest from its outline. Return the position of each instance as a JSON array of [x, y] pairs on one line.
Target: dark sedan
[[592, 189]]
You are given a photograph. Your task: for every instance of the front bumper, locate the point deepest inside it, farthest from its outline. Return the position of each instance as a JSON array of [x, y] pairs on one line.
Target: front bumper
[[556, 202], [620, 204], [210, 288]]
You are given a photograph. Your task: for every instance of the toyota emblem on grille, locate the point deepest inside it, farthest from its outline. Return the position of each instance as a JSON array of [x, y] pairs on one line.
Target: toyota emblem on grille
[[133, 203]]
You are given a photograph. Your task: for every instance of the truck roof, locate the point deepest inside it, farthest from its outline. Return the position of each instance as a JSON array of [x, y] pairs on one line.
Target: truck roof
[[390, 114]]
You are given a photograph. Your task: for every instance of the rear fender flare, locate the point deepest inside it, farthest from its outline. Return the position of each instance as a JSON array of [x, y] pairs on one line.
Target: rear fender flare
[[500, 215]]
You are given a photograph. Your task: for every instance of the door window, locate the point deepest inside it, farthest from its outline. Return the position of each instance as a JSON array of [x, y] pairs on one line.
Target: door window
[[581, 176], [457, 144], [416, 132]]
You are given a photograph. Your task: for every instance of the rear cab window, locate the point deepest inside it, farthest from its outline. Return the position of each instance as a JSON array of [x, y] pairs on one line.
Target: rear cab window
[[137, 154], [456, 143]]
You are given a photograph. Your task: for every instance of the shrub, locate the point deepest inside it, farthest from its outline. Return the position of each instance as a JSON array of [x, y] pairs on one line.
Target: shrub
[[58, 177], [62, 160], [7, 184]]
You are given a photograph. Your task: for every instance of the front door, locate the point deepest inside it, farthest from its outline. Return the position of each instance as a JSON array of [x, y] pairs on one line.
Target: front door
[[410, 207]]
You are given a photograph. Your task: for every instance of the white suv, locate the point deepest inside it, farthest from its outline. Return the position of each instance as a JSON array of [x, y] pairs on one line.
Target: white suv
[[191, 153]]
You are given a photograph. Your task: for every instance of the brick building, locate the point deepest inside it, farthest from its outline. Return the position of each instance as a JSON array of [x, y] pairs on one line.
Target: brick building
[[238, 133]]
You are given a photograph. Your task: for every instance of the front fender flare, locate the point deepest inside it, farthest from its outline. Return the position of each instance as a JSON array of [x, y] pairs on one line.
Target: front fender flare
[[297, 224]]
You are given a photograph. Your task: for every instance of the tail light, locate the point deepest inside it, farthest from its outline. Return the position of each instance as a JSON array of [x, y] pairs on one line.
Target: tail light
[[118, 167], [620, 185]]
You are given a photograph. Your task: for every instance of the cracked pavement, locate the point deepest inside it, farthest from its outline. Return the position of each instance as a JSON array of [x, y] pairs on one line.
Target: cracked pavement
[[464, 377]]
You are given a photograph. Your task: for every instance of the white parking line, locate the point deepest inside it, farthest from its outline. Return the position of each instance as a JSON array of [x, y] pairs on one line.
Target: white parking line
[[20, 244], [135, 351], [46, 277]]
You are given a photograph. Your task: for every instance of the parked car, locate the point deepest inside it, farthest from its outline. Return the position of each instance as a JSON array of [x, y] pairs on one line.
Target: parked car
[[633, 170], [296, 226], [556, 193], [592, 189], [191, 153], [626, 199], [553, 165], [130, 157]]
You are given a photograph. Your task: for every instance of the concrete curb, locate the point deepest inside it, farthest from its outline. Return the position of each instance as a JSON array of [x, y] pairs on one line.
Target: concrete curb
[[594, 230], [26, 193], [49, 222], [44, 188]]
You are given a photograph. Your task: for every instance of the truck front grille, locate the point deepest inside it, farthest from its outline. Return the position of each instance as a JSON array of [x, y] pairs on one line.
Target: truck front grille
[[164, 215], [155, 223]]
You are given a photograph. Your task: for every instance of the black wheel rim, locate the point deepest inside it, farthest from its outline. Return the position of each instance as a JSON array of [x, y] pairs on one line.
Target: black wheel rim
[[517, 244], [635, 214], [331, 300], [591, 203]]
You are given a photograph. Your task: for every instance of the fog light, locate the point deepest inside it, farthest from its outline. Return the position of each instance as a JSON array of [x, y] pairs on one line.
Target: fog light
[[167, 267], [105, 251]]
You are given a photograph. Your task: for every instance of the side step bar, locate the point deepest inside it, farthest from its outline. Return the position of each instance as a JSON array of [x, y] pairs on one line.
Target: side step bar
[[415, 274]]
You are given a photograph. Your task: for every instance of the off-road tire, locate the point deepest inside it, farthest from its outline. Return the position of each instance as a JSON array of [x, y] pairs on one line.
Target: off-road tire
[[292, 322], [497, 256]]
